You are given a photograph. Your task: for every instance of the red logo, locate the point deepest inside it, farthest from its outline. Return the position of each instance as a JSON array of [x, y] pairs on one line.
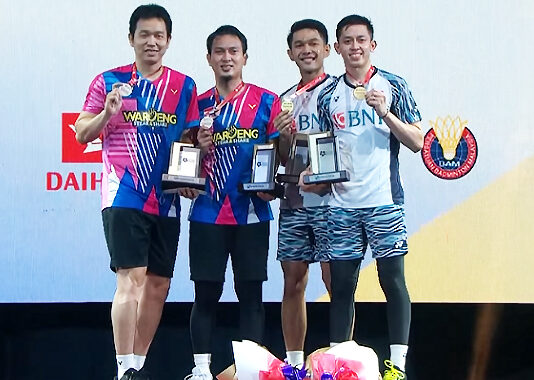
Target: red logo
[[339, 119], [72, 150]]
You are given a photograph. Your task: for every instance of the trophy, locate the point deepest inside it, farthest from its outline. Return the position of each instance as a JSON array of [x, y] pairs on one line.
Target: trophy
[[324, 160], [184, 169], [263, 170], [298, 159]]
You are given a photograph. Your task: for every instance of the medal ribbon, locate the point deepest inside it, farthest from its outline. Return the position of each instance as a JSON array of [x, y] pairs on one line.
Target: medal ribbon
[[303, 89], [367, 78], [133, 81], [220, 104]]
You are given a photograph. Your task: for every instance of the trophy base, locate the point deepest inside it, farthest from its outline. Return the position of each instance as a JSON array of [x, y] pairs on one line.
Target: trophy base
[[273, 188], [288, 178], [331, 177], [171, 183]]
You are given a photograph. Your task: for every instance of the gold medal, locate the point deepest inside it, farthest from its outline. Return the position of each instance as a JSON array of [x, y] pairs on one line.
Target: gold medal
[[359, 92], [287, 105]]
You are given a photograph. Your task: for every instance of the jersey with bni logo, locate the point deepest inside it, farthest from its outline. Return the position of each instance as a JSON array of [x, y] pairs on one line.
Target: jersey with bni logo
[[244, 121], [306, 121], [367, 148], [137, 140]]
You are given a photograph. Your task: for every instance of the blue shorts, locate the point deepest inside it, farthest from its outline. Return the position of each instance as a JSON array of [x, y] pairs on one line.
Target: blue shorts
[[302, 235], [351, 229]]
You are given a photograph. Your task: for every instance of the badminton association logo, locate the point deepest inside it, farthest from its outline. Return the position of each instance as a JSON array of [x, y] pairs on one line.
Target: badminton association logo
[[449, 149]]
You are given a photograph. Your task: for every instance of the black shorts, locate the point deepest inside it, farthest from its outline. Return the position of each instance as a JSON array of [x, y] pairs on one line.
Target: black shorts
[[137, 239], [211, 244]]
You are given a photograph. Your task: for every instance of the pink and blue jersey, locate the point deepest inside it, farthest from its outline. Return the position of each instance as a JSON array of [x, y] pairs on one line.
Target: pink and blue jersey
[[243, 122], [137, 140]]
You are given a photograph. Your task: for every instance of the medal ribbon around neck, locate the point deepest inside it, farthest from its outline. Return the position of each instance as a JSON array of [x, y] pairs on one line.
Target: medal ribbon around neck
[[125, 89], [287, 103], [220, 104]]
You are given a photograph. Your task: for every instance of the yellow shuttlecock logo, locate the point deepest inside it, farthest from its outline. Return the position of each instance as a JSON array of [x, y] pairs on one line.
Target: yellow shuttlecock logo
[[448, 132]]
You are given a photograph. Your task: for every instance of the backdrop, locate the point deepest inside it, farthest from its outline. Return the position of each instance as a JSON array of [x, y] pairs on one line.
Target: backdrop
[[468, 212]]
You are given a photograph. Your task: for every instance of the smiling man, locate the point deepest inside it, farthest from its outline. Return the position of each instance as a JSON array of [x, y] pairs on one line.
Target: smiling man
[[224, 221], [141, 223], [372, 112]]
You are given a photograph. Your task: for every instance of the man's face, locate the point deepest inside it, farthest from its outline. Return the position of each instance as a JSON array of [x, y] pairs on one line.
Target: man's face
[[355, 46], [150, 40], [227, 58], [308, 50]]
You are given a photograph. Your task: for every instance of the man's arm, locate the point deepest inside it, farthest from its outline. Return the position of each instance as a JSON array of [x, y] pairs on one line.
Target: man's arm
[[408, 134]]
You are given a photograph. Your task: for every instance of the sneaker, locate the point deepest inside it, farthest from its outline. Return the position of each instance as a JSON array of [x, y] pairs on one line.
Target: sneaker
[[128, 375], [142, 374], [393, 372], [199, 373]]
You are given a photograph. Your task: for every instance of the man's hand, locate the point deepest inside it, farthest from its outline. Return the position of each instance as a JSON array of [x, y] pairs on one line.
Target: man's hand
[[377, 100], [189, 193], [205, 139], [284, 123], [320, 188], [113, 103]]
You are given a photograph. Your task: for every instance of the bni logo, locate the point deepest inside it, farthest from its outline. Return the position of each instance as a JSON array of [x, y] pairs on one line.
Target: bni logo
[[71, 150]]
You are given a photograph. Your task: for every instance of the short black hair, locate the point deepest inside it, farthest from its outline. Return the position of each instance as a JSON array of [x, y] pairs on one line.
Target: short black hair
[[307, 23], [150, 11], [354, 20], [223, 31]]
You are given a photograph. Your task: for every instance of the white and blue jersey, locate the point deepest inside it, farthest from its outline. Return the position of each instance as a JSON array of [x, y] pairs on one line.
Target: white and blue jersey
[[367, 148]]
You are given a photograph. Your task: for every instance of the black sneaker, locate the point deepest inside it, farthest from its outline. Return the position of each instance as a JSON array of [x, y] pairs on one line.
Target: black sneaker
[[130, 374], [142, 374]]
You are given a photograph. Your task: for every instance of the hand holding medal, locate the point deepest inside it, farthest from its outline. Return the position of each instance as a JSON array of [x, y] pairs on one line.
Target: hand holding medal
[[377, 100], [287, 103]]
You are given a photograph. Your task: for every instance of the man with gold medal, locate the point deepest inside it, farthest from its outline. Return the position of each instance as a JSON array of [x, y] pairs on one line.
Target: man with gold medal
[[371, 112], [302, 225]]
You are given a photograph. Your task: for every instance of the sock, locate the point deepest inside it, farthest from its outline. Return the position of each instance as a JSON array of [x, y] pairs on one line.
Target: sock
[[124, 363], [398, 355], [332, 344], [139, 362], [295, 358], [202, 361]]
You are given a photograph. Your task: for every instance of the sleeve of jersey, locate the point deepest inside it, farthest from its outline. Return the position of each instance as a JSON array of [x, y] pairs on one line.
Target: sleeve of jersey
[[272, 132], [192, 116], [96, 96], [403, 104], [323, 109]]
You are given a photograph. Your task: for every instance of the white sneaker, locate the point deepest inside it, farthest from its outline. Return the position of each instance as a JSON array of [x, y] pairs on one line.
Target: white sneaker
[[199, 373]]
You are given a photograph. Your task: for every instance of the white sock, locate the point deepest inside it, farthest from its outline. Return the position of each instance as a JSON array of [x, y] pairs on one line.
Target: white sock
[[295, 358], [124, 363], [332, 344], [398, 355], [202, 360], [139, 362]]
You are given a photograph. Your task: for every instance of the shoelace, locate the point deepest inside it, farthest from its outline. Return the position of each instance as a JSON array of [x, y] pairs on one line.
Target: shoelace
[[392, 371]]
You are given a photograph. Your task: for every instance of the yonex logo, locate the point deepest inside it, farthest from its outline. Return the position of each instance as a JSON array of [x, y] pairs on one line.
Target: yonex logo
[[399, 244]]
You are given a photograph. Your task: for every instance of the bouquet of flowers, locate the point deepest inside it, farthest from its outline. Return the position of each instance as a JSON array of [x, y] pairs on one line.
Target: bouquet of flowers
[[345, 361]]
